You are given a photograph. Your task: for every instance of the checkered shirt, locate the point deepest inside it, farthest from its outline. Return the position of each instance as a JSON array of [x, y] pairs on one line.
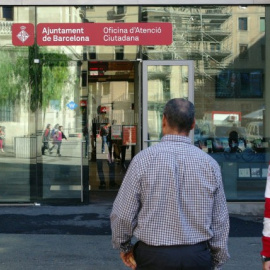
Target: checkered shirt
[[172, 194]]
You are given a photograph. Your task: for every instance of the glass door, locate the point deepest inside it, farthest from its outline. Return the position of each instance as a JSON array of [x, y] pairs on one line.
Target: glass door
[[112, 113], [162, 81]]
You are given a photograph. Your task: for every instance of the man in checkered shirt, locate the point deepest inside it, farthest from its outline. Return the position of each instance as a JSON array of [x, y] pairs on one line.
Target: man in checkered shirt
[[172, 200]]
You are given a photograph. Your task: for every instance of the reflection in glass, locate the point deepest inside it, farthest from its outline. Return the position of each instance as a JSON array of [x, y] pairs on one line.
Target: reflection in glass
[[229, 85], [229, 92], [111, 108], [18, 140], [61, 158], [164, 83]]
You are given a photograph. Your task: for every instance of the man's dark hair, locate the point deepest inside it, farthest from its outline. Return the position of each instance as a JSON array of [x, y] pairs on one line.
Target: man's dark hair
[[180, 114]]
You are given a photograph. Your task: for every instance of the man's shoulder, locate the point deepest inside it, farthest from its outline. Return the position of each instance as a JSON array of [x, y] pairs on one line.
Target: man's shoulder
[[146, 153], [167, 146], [205, 157]]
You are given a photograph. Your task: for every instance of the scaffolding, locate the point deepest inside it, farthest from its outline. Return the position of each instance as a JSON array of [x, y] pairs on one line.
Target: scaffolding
[[202, 34]]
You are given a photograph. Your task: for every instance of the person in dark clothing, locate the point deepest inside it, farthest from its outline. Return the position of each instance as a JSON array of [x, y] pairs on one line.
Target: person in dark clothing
[[97, 122], [104, 132], [233, 141], [111, 164], [86, 138]]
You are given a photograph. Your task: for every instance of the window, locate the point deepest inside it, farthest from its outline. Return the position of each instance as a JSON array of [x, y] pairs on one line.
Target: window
[[119, 52], [105, 89], [167, 88], [167, 56], [92, 52], [166, 85], [6, 112], [262, 24], [84, 78], [215, 47], [243, 51], [165, 19], [8, 13], [242, 24], [120, 9]]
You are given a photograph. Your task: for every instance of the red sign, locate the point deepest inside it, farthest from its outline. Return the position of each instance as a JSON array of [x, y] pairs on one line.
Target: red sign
[[129, 135], [64, 34], [103, 109], [83, 103], [23, 34]]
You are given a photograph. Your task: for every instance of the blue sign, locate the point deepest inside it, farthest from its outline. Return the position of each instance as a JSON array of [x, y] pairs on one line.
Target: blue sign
[[72, 105]]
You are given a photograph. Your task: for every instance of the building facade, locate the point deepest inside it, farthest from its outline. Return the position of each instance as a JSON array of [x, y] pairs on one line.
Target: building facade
[[215, 54]]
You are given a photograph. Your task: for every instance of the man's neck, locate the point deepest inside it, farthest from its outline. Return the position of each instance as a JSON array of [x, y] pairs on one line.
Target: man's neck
[[175, 132]]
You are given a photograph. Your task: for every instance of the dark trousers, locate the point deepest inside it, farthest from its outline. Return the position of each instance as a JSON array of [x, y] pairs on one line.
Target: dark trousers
[[101, 174], [58, 145], [44, 147], [184, 257]]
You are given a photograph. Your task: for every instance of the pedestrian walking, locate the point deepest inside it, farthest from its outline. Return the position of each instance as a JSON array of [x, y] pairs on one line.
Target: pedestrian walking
[[104, 132], [172, 200], [46, 136], [57, 140], [2, 137], [86, 138]]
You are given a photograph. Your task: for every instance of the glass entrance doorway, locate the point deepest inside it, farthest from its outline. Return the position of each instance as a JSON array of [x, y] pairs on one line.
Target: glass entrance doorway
[[121, 118], [162, 81], [111, 110], [111, 121]]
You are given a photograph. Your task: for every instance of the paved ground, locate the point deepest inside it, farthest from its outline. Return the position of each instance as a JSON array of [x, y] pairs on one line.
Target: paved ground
[[79, 237]]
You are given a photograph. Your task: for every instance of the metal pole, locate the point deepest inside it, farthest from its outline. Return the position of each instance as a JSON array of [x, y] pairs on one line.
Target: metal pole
[[82, 170]]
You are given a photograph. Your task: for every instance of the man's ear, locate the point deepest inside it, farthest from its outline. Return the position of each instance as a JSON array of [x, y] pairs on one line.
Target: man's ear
[[193, 124], [163, 120], [164, 125]]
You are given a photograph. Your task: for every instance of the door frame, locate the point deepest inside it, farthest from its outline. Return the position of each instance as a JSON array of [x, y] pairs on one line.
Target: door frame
[[145, 64]]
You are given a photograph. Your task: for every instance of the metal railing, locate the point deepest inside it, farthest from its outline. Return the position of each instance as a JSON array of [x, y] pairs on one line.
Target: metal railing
[[6, 27]]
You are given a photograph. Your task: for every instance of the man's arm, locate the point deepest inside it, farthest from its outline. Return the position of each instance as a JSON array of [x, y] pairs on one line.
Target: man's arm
[[220, 227], [125, 209]]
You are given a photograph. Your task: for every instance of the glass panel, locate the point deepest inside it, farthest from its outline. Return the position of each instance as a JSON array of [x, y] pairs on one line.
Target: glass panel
[[164, 83], [112, 118], [61, 126], [230, 87], [17, 121], [62, 165], [113, 89]]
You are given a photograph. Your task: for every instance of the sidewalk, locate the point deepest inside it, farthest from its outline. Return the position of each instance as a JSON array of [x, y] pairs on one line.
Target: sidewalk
[[79, 237]]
